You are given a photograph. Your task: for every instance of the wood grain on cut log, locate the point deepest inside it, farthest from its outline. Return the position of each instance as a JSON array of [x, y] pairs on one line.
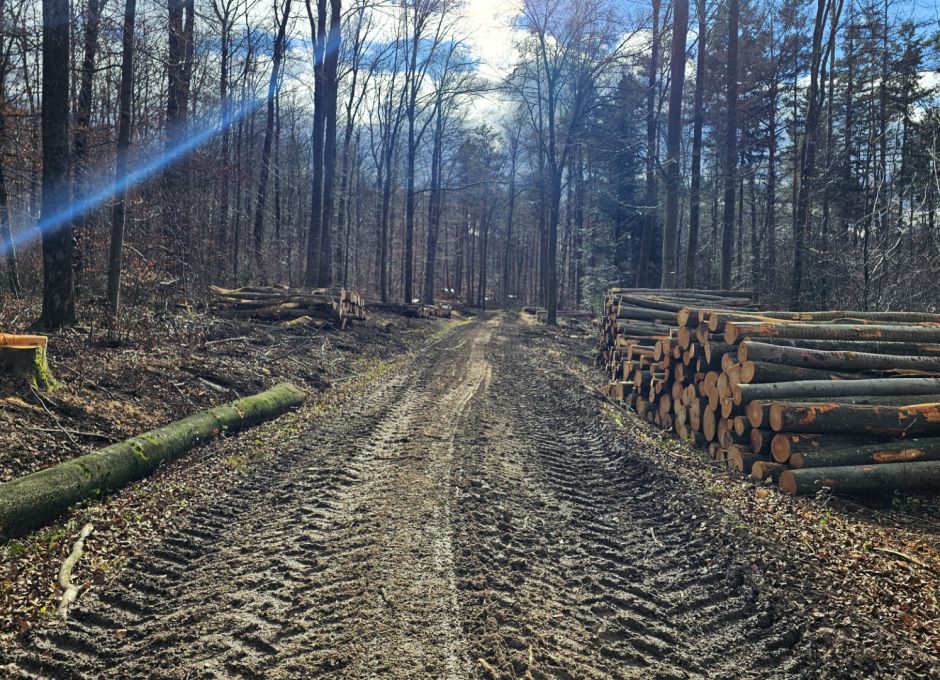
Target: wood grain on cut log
[[863, 479], [835, 418], [764, 469]]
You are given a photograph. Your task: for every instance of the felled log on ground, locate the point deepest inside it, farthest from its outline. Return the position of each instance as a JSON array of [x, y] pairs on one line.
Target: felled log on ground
[[24, 363], [31, 501], [834, 359], [279, 303], [835, 418], [735, 331], [824, 389], [903, 451], [863, 479]]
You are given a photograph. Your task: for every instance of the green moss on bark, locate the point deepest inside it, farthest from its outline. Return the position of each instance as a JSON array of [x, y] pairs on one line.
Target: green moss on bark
[[31, 501]]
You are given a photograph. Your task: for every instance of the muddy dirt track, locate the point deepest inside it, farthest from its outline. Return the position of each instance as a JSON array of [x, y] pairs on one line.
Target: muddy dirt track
[[469, 515]]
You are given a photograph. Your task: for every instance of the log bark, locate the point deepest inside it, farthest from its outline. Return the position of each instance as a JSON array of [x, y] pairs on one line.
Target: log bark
[[784, 445], [835, 418], [835, 360], [904, 451], [898, 348], [764, 372], [822, 389], [736, 331], [31, 501], [863, 479]]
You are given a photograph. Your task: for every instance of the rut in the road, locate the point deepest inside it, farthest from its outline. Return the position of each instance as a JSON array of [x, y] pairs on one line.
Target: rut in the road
[[579, 561], [464, 508]]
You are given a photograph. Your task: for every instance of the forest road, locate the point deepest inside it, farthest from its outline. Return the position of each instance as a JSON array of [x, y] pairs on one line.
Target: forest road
[[470, 514]]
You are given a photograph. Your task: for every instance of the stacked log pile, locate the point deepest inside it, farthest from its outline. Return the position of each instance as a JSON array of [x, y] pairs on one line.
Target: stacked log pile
[[541, 314], [848, 401], [290, 306]]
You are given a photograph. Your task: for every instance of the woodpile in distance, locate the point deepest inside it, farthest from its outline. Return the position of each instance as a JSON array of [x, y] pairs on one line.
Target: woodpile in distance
[[541, 314], [415, 310], [290, 306], [844, 400]]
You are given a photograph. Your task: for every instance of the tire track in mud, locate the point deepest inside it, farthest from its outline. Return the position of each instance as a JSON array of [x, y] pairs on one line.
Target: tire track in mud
[[579, 561], [467, 507], [332, 559]]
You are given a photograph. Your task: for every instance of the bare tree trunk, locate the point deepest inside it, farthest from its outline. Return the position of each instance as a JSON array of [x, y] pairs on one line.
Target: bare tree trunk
[[680, 28], [731, 146], [58, 291], [651, 213], [120, 165], [695, 196], [262, 193], [315, 232], [331, 61], [82, 122]]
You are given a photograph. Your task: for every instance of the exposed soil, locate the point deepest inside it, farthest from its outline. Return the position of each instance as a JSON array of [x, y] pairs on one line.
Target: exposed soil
[[471, 513]]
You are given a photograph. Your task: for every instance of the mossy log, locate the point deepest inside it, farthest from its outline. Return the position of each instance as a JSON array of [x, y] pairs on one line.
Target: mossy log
[[863, 479], [23, 362], [31, 501]]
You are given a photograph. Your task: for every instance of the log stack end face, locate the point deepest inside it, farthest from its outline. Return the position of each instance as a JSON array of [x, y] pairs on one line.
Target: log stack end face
[[823, 399]]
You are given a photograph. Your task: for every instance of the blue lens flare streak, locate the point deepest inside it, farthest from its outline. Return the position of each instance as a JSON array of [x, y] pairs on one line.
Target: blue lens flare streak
[[113, 186]]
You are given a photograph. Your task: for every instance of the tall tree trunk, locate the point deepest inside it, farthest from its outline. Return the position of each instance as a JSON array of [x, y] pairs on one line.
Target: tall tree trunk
[[58, 291], [680, 27], [331, 61], [698, 105], [262, 193], [80, 180], [770, 213], [179, 70], [650, 217], [808, 156], [434, 204], [7, 245], [315, 232], [118, 216], [731, 146]]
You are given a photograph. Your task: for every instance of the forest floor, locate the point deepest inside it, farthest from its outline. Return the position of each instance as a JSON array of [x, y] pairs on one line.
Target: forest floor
[[473, 508]]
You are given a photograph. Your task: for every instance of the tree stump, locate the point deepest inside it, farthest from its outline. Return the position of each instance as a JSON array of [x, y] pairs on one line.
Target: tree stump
[[23, 362]]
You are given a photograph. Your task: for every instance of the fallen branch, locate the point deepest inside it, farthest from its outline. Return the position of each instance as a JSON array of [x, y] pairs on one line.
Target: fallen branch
[[70, 590]]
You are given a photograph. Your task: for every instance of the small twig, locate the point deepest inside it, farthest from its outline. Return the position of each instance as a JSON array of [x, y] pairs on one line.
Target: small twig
[[385, 597], [52, 415], [70, 590], [898, 553], [656, 540], [488, 669], [217, 342], [78, 433]]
